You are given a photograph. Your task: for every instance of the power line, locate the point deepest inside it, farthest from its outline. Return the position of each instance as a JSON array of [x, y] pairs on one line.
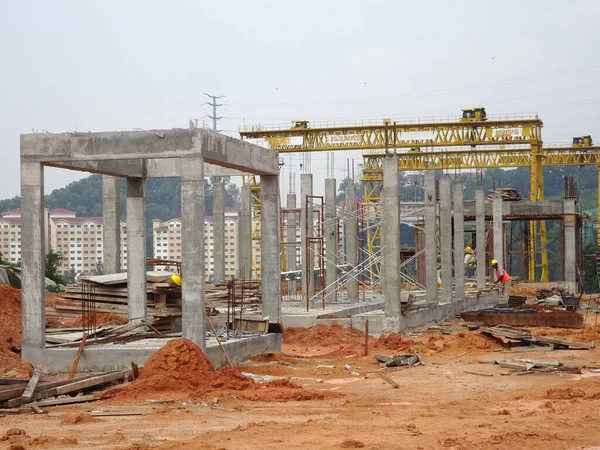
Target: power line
[[214, 105]]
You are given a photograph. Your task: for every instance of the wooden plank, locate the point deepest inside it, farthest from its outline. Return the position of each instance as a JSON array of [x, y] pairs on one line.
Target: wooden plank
[[27, 395], [479, 373], [66, 401], [388, 380], [78, 356], [84, 384], [18, 391], [24, 410]]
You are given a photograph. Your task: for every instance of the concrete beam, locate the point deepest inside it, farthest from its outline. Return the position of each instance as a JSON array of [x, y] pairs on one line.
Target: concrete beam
[[270, 247], [137, 297], [192, 253], [111, 227], [391, 243], [149, 144]]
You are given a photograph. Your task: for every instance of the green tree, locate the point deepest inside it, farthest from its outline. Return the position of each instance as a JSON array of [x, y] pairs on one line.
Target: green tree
[[99, 269], [70, 275], [52, 262]]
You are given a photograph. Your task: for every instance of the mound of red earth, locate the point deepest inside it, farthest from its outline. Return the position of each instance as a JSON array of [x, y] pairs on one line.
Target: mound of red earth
[[10, 327], [325, 340], [180, 370]]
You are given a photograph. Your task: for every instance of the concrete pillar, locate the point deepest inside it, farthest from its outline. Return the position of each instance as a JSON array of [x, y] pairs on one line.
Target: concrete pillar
[[245, 233], [459, 240], [331, 241], [219, 231], [270, 247], [391, 243], [306, 217], [480, 238], [570, 245], [111, 227], [446, 238], [33, 284], [351, 242], [290, 249], [498, 234], [136, 243], [192, 253], [430, 237]]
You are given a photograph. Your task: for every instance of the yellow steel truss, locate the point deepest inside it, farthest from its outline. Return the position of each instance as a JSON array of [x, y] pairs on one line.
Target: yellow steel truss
[[434, 145]]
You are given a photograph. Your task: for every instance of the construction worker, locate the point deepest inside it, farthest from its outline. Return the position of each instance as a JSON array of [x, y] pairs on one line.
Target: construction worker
[[470, 262], [502, 279]]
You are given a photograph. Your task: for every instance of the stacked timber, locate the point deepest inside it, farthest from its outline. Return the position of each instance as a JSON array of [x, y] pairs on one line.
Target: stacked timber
[[109, 293], [507, 194], [246, 292]]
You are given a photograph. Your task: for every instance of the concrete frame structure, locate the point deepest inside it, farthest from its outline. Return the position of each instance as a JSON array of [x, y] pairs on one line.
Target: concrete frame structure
[[446, 238], [306, 231], [459, 239], [137, 155], [498, 230], [111, 211], [245, 232], [290, 249], [570, 245], [480, 238], [430, 238]]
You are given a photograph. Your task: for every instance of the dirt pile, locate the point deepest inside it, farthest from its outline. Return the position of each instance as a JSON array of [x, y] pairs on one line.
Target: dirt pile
[[180, 370], [10, 327], [434, 342], [18, 438], [324, 340]]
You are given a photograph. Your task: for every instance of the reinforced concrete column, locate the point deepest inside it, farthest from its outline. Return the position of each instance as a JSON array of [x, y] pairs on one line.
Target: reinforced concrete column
[[192, 253], [570, 245], [331, 241], [391, 242], [270, 247], [459, 240], [430, 237], [111, 227], [446, 238], [498, 234], [33, 286], [351, 242], [480, 238], [245, 233], [219, 231], [306, 231], [136, 243], [290, 249]]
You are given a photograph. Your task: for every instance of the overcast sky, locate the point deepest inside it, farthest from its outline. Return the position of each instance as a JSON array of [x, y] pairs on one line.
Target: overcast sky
[[117, 65]]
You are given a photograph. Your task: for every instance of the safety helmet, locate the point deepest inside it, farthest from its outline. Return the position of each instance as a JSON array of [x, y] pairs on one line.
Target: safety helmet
[[494, 262], [468, 250], [176, 279]]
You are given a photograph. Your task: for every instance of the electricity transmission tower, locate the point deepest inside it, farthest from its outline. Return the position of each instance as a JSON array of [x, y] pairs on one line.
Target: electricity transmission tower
[[214, 105]]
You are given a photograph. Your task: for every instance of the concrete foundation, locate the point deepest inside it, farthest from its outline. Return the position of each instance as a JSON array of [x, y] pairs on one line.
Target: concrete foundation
[[459, 239], [428, 315], [446, 238], [430, 237], [351, 239], [111, 227], [219, 231], [331, 242]]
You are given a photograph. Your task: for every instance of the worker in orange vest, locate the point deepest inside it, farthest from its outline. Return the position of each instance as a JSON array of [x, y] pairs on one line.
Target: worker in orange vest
[[502, 279]]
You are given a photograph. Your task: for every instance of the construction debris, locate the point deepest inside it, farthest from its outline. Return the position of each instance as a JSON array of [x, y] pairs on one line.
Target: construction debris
[[507, 194], [407, 360], [525, 317], [525, 365], [516, 336]]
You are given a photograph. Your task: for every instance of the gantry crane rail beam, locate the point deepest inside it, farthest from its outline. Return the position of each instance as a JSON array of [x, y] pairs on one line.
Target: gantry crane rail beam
[[387, 134]]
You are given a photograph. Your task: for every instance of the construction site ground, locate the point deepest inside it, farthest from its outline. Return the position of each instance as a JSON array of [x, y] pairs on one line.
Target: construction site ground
[[438, 405]]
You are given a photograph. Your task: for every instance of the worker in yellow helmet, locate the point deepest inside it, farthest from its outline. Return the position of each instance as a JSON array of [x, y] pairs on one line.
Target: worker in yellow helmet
[[176, 279], [502, 279], [470, 262]]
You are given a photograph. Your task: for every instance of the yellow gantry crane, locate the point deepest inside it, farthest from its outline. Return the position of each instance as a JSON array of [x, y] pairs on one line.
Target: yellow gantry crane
[[473, 141]]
